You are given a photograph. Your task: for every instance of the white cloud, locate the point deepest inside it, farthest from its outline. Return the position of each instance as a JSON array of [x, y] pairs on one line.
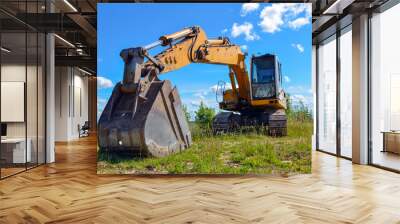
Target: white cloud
[[275, 16], [224, 31], [298, 47], [195, 103], [207, 95], [299, 22], [271, 18], [286, 78], [298, 99], [101, 103], [214, 88], [104, 83], [201, 94], [301, 94], [298, 89], [244, 47], [249, 7], [193, 98], [245, 29]]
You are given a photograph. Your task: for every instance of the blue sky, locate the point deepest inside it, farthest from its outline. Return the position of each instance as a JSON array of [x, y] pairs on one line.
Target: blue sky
[[281, 29]]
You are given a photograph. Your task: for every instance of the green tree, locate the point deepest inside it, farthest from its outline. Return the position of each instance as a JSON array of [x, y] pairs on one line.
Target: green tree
[[186, 112], [298, 112], [204, 115], [303, 112], [289, 106]]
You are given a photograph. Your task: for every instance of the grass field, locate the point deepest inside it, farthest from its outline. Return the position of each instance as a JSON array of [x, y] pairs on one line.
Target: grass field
[[248, 153]]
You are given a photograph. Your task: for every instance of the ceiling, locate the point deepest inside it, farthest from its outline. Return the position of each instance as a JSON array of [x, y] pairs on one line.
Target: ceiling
[[75, 23], [330, 15]]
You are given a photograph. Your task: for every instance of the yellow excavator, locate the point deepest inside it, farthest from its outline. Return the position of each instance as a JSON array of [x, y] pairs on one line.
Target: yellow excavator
[[144, 114]]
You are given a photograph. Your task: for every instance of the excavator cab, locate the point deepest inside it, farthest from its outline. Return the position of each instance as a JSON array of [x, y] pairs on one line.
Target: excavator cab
[[267, 93], [266, 77], [267, 100]]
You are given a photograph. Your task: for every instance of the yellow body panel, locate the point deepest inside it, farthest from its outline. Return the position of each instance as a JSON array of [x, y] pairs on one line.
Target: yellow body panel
[[229, 96], [275, 103]]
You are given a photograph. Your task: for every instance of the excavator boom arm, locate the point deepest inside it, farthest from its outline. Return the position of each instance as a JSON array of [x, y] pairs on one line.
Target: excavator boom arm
[[192, 46]]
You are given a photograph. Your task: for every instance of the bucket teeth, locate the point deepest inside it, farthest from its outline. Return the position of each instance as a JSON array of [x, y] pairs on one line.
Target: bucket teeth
[[152, 124]]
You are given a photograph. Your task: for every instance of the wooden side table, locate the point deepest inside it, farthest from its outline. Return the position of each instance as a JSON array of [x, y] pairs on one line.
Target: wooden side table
[[391, 141]]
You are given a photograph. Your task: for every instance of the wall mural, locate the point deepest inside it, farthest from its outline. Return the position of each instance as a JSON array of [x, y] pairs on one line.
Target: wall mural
[[159, 80]]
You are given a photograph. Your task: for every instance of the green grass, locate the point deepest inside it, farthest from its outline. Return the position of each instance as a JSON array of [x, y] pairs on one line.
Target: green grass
[[240, 153]]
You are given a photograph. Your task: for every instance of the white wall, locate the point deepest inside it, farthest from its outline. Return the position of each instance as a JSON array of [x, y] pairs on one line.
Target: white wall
[[71, 102], [34, 124], [9, 73], [61, 103], [16, 73], [80, 110]]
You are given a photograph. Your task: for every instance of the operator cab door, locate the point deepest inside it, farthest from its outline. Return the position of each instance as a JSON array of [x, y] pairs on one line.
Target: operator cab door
[[265, 77]]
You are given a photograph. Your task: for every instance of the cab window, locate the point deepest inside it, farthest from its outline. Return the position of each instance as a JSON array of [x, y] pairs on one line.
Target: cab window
[[263, 77], [263, 71]]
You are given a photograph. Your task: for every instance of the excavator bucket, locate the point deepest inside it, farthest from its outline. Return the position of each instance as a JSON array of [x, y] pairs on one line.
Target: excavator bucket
[[157, 128], [141, 117]]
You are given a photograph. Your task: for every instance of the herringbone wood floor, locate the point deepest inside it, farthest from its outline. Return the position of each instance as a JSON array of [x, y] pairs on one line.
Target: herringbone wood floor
[[69, 191]]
